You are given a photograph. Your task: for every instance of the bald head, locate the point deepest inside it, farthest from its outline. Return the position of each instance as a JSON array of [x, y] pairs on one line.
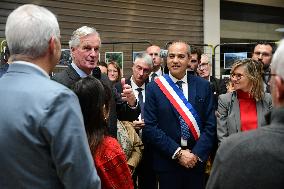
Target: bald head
[[154, 52]]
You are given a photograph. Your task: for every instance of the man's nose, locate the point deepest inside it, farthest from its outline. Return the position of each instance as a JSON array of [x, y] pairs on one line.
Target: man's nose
[[175, 59], [93, 52]]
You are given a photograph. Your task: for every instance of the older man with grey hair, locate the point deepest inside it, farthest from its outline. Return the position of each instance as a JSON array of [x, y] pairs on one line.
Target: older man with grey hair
[[84, 45], [141, 69], [254, 159], [43, 143]]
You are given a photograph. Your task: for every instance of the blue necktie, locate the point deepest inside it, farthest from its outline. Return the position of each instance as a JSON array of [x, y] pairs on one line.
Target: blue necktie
[[140, 101], [184, 128]]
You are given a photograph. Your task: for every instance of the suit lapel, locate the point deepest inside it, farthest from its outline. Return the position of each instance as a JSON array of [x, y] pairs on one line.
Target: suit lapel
[[73, 74], [191, 89], [236, 112], [260, 113]]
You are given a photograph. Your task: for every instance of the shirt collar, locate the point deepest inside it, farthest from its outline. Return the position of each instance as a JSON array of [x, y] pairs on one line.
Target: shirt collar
[[78, 70], [134, 86], [159, 72], [184, 79], [33, 65]]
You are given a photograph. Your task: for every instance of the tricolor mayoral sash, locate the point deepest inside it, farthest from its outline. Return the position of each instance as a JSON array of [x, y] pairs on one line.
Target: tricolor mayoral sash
[[178, 100]]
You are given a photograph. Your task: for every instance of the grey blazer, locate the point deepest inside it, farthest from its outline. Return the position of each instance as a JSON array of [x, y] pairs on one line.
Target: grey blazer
[[228, 114]]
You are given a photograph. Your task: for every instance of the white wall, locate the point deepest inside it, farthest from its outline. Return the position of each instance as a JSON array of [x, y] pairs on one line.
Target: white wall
[[211, 24]]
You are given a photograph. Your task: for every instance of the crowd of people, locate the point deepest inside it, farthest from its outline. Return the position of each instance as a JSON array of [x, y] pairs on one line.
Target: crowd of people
[[161, 128]]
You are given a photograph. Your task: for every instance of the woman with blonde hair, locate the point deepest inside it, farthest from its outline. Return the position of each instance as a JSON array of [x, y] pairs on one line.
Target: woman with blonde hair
[[244, 108]]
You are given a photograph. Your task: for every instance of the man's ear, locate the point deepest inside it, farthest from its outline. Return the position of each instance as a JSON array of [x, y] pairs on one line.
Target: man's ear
[[279, 84], [52, 45]]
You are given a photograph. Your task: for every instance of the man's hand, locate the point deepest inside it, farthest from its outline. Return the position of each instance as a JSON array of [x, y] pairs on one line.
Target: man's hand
[[187, 159], [128, 94], [137, 125]]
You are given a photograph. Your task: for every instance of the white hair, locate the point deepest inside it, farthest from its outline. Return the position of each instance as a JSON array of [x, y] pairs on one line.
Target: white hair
[[145, 57], [277, 64], [81, 32], [205, 58], [29, 29]]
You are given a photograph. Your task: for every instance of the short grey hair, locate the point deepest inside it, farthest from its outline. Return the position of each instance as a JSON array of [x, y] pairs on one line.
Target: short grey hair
[[277, 64], [145, 57], [29, 29], [206, 58], [81, 32]]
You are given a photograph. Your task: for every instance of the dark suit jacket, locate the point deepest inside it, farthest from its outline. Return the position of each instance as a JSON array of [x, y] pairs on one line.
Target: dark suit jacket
[[118, 109], [218, 87], [162, 128], [252, 159]]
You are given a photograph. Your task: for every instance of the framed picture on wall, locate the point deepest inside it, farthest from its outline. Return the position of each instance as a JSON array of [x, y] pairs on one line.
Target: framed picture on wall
[[115, 56], [230, 58], [135, 53]]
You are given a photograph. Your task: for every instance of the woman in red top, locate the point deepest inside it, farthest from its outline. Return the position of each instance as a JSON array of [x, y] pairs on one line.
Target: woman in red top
[[110, 160], [245, 107]]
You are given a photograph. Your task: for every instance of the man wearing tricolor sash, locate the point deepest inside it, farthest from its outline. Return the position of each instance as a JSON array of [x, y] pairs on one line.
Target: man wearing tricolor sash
[[180, 123]]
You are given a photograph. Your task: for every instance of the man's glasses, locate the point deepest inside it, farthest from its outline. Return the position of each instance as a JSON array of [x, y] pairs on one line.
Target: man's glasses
[[202, 66]]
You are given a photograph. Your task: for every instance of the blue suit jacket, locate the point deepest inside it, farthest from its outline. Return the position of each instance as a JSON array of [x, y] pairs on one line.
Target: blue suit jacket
[[162, 128]]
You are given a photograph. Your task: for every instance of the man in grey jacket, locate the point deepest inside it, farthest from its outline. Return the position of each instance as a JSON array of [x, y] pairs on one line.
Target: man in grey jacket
[[254, 159], [43, 143]]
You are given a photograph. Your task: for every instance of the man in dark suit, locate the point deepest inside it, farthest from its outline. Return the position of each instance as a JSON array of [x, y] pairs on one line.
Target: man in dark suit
[[180, 124], [84, 46], [254, 159], [204, 70], [154, 52], [141, 70]]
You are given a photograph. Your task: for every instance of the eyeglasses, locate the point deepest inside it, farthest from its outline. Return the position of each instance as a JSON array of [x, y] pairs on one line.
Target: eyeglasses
[[264, 54], [202, 66], [237, 76]]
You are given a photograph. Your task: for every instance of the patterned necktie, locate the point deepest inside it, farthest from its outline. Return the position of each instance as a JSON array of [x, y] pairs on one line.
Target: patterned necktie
[[153, 76], [184, 128], [179, 84], [140, 101]]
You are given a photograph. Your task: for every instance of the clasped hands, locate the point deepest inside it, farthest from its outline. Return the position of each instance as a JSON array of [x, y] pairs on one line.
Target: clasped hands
[[127, 93], [187, 159]]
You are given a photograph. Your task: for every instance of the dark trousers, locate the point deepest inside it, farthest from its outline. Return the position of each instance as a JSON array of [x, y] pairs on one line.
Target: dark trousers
[[145, 176], [181, 179]]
